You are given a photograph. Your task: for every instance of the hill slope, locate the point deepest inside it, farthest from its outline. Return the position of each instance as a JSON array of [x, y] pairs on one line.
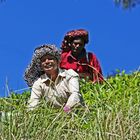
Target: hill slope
[[112, 112]]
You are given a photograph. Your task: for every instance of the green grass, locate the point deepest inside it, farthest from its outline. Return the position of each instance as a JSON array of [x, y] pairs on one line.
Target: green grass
[[112, 112]]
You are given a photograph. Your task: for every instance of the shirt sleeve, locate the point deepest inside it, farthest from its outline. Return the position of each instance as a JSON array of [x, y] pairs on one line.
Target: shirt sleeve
[[35, 96], [75, 96], [97, 72]]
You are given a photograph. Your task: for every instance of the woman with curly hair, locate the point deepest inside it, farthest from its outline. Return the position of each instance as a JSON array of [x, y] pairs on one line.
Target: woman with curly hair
[[74, 56], [59, 87]]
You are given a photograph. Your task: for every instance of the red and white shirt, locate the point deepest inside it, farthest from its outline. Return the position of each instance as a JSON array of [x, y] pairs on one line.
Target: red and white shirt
[[87, 66]]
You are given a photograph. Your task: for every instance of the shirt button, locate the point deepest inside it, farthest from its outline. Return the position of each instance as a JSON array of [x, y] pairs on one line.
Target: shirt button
[[77, 69]]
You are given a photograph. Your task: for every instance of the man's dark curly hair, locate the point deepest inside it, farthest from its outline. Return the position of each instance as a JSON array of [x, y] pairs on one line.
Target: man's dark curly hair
[[74, 34]]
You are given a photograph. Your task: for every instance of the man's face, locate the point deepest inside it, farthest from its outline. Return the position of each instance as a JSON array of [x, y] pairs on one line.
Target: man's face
[[49, 64], [77, 45]]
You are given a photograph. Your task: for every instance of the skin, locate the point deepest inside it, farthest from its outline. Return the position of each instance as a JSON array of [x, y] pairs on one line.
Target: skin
[[49, 65], [77, 46]]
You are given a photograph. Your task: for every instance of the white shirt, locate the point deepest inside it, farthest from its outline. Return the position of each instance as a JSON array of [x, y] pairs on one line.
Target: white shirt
[[64, 91]]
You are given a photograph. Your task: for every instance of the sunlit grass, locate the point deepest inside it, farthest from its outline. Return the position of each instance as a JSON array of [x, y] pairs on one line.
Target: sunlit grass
[[111, 113]]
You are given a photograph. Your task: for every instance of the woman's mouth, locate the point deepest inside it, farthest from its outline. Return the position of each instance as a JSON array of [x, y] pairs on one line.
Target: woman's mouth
[[48, 66]]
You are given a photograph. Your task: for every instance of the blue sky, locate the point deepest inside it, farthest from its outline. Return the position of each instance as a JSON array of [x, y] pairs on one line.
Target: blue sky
[[114, 34]]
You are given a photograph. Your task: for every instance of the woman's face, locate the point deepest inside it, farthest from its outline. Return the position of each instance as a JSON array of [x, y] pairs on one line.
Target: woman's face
[[77, 45], [49, 64]]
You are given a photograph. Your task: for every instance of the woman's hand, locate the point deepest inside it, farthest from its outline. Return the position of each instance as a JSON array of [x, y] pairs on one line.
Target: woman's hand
[[67, 109]]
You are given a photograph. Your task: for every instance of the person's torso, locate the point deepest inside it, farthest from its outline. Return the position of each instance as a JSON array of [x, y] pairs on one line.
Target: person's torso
[[57, 93], [80, 66]]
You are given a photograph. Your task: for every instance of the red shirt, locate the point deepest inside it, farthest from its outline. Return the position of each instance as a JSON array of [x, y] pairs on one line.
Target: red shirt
[[87, 66]]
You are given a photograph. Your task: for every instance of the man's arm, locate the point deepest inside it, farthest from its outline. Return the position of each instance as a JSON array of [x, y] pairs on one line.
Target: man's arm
[[97, 71], [35, 96], [75, 96]]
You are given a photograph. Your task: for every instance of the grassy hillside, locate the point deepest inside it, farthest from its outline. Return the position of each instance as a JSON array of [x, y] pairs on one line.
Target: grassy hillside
[[112, 112]]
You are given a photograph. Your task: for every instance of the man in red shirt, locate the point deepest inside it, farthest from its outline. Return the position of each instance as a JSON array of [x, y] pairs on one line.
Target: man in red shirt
[[74, 56]]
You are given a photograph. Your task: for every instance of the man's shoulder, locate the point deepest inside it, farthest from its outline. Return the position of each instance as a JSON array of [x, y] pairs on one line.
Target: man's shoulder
[[91, 55], [71, 72], [38, 81]]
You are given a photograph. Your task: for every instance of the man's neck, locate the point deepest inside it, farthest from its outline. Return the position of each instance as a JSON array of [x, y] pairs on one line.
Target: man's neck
[[53, 75], [79, 55]]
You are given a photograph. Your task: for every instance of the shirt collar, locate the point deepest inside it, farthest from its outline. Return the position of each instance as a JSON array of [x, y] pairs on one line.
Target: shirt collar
[[45, 78]]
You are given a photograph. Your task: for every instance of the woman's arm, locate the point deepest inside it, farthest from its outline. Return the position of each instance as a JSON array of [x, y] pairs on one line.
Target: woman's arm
[[35, 96]]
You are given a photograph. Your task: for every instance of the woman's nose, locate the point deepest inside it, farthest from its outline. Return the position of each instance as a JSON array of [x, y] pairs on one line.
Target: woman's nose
[[46, 60]]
